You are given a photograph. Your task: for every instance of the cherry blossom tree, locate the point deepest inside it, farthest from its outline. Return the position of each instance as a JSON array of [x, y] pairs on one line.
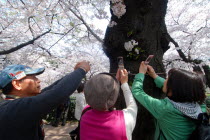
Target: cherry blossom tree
[[189, 27], [56, 34], [46, 32]]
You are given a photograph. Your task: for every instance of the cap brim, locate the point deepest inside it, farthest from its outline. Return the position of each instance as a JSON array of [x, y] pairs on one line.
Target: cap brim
[[36, 71]]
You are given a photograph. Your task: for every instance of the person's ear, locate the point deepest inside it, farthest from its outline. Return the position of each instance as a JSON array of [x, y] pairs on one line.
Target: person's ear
[[16, 84], [169, 94]]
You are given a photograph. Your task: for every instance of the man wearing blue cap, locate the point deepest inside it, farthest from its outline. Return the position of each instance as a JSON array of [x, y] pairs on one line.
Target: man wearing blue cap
[[22, 111]]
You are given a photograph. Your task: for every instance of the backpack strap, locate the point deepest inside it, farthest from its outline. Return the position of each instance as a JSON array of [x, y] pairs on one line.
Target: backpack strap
[[202, 130], [83, 112], [203, 118]]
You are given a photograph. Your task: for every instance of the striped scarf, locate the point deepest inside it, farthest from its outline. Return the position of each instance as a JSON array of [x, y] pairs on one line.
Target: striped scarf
[[191, 110]]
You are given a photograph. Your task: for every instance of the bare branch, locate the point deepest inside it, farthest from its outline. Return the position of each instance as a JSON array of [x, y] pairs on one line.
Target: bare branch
[[55, 5], [22, 2], [3, 28], [23, 44], [57, 33], [29, 25], [203, 27], [37, 24], [52, 18], [168, 62], [181, 54], [10, 4], [45, 50], [61, 38]]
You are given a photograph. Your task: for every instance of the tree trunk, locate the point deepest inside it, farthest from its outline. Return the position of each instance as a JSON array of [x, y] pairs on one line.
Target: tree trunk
[[143, 22], [206, 69]]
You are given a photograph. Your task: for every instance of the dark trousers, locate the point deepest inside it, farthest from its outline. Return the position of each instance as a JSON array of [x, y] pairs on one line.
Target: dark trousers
[[75, 133]]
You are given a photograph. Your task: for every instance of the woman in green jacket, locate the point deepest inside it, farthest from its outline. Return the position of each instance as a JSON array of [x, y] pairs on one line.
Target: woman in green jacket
[[174, 114]]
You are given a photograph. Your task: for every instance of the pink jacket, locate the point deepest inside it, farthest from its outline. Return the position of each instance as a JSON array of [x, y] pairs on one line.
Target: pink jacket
[[103, 125]]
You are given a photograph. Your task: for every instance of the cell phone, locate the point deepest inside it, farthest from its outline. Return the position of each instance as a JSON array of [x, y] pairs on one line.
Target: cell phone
[[149, 58], [120, 62]]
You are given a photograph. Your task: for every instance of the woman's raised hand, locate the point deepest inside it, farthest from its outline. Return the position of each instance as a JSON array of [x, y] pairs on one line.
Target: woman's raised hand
[[122, 75], [143, 68], [151, 72]]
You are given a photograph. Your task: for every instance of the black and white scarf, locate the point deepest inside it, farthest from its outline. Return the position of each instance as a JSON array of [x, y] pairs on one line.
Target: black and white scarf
[[191, 110]]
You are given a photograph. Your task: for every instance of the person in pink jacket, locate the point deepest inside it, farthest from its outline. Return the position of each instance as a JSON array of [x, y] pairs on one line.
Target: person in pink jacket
[[102, 121]]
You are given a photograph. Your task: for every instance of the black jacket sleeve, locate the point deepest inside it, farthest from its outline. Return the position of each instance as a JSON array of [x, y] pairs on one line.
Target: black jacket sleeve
[[51, 86]]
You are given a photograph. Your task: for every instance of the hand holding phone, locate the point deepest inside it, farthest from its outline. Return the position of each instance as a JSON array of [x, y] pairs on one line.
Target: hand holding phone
[[149, 58], [120, 62]]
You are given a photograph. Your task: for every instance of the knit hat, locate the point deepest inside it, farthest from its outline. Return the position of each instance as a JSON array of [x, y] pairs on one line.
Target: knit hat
[[12, 72], [101, 91]]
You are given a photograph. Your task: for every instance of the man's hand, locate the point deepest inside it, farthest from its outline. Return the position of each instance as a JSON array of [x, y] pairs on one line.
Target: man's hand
[[85, 65]]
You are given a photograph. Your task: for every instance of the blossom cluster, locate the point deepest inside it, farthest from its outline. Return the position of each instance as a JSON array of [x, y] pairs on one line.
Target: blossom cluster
[[118, 8], [130, 45], [116, 1], [137, 51], [112, 23]]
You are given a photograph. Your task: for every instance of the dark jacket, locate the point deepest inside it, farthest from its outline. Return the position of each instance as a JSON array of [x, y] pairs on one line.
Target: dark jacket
[[20, 118]]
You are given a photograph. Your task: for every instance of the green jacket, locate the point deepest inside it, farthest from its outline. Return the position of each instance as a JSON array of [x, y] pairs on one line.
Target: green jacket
[[174, 125]]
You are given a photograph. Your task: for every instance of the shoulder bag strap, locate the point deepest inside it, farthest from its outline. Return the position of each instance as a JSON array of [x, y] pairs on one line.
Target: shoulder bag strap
[[83, 112]]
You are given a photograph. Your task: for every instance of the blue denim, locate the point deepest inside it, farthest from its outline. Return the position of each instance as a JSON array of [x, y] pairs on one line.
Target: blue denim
[[10, 73]]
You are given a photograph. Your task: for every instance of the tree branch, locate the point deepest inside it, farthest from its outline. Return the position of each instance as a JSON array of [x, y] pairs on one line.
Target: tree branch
[[23, 44], [22, 2], [61, 37], [83, 21], [206, 69], [167, 63], [29, 25], [202, 27], [181, 54], [45, 50], [10, 3], [4, 28]]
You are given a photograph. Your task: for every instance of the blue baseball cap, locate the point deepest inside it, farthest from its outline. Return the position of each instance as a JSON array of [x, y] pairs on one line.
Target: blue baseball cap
[[12, 72]]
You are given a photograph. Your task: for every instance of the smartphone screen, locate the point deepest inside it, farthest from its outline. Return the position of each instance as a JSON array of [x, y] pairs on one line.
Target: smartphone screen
[[120, 62], [149, 58]]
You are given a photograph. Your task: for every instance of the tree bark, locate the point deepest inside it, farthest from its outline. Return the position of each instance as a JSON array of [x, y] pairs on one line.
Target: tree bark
[[144, 22], [206, 69]]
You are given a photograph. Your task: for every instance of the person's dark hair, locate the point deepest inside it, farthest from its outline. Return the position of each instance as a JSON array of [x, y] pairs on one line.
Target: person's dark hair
[[81, 87], [185, 86], [7, 89]]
